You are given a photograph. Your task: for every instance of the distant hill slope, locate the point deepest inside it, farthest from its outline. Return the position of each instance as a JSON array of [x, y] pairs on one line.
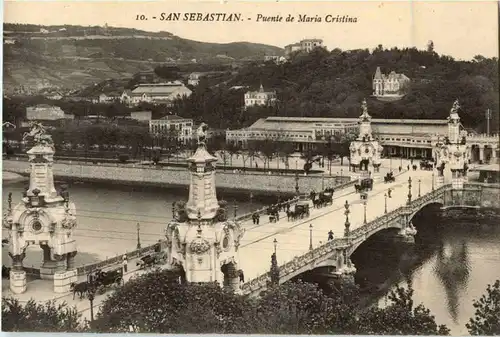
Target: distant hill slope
[[72, 56]]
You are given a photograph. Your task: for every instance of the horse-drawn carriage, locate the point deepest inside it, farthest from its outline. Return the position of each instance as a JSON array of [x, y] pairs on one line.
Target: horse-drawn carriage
[[426, 165], [364, 185], [389, 178], [323, 199], [301, 211], [273, 213], [151, 260], [98, 281]]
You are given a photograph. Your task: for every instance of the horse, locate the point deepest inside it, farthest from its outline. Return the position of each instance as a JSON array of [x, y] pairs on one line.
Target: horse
[[146, 261], [80, 288]]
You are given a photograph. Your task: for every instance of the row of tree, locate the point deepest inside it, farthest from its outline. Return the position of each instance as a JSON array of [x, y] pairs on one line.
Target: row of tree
[[136, 142], [156, 302]]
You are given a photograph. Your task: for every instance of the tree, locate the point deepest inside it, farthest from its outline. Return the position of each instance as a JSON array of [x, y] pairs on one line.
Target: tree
[[285, 150], [267, 148], [157, 302], [486, 320], [430, 46], [34, 317], [400, 317]]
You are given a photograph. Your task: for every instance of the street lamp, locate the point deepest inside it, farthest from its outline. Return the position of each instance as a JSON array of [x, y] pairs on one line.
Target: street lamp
[[419, 181], [341, 173], [173, 210], [310, 236], [432, 180], [385, 205], [323, 181], [138, 236], [347, 224], [364, 207], [91, 290], [235, 208], [275, 244], [409, 190], [297, 183]]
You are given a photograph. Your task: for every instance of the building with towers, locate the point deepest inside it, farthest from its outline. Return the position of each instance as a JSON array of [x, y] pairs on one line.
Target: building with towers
[[44, 217], [391, 85], [202, 241], [260, 98]]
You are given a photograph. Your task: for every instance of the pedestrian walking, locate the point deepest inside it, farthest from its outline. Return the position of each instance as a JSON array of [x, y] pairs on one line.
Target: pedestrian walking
[[408, 167], [330, 235], [125, 263], [400, 168]]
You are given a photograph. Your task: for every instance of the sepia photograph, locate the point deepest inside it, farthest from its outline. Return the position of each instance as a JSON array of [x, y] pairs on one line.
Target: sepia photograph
[[251, 167]]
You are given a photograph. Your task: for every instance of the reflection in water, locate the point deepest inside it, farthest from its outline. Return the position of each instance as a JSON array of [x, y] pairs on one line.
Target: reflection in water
[[452, 269], [449, 266]]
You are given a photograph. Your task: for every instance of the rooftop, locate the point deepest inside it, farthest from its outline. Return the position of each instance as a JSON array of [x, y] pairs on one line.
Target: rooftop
[[172, 117]]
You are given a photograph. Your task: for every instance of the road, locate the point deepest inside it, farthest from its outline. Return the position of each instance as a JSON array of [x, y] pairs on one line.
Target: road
[[293, 237]]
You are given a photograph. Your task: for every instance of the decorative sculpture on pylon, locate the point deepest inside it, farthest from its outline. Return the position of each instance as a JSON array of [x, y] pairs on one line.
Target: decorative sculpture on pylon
[[44, 217], [452, 151], [365, 150], [201, 241]]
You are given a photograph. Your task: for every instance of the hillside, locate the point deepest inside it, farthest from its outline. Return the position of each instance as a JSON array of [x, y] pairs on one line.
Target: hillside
[[75, 56], [333, 84]]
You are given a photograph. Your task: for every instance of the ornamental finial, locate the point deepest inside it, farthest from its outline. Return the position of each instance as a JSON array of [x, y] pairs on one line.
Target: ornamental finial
[[455, 107], [202, 133], [364, 107], [38, 135]]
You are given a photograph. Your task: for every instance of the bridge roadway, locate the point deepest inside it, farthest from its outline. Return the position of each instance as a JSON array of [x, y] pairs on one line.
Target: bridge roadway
[[257, 243], [293, 237]]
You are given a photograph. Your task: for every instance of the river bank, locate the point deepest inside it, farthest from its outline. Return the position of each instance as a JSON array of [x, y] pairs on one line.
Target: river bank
[[11, 177], [180, 178]]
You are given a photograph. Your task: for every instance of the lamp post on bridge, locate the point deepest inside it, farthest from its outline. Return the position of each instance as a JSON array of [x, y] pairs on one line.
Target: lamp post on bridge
[[409, 190], [310, 237], [385, 204], [419, 181], [138, 236], [275, 244], [364, 207], [347, 224], [91, 290], [297, 183]]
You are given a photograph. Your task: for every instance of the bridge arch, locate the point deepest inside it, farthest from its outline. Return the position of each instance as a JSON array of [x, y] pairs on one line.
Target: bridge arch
[[393, 228], [424, 207]]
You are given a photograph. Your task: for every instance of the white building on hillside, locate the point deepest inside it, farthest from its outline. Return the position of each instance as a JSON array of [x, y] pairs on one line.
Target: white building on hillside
[[194, 79], [181, 127], [156, 93], [260, 97], [45, 112], [306, 45], [141, 116], [393, 84]]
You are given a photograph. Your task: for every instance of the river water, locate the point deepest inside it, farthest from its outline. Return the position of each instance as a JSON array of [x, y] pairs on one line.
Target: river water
[[108, 215], [448, 267]]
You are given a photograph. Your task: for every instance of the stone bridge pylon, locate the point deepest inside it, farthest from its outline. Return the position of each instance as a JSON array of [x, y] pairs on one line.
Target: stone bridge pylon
[[44, 217]]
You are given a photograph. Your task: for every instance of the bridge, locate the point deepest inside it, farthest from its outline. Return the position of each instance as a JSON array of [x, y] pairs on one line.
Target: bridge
[[303, 246]]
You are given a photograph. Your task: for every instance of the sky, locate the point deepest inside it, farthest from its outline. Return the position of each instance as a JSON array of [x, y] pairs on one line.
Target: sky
[[459, 29]]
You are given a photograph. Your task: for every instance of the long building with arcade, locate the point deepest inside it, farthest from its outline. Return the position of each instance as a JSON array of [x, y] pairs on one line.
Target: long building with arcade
[[407, 138]]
